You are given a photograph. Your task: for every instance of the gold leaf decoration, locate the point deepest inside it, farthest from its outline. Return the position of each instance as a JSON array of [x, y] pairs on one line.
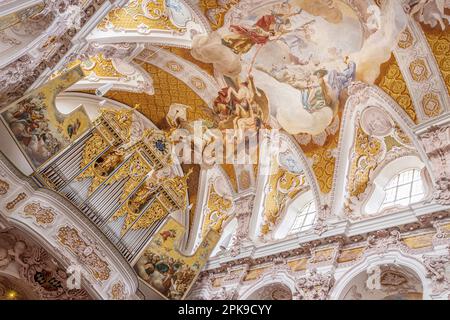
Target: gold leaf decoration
[[392, 82], [282, 187], [364, 160], [215, 11], [139, 14], [217, 212], [439, 42], [168, 90]]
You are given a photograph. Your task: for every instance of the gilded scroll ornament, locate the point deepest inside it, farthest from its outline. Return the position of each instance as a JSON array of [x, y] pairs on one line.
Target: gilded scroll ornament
[[93, 148], [217, 213], [4, 187], [153, 214], [141, 16], [364, 159], [70, 238], [19, 198], [102, 168], [282, 187], [43, 216]]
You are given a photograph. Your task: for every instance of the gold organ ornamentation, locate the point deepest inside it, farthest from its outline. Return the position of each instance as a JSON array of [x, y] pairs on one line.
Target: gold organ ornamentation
[[102, 168], [134, 205], [154, 213], [134, 170], [116, 126], [120, 121], [94, 146], [161, 199]]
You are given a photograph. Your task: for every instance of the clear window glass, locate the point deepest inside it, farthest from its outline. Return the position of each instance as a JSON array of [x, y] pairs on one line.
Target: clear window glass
[[304, 219], [404, 189]]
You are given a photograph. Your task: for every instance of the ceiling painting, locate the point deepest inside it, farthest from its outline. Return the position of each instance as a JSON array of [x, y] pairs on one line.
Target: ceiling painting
[[215, 11]]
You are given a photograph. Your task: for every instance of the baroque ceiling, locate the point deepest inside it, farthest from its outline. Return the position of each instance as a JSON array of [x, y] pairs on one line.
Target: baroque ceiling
[[349, 88]]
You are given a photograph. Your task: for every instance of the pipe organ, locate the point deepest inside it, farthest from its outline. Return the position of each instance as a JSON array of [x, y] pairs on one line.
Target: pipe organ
[[125, 187]]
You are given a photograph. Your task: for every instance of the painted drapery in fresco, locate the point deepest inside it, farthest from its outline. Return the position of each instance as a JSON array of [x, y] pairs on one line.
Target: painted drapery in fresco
[[40, 130]]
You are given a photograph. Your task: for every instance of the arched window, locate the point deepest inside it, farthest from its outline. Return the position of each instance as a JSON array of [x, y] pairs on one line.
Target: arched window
[[304, 219], [404, 189]]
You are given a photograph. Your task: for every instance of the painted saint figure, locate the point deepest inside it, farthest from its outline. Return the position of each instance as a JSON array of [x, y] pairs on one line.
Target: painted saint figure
[[238, 108], [268, 27]]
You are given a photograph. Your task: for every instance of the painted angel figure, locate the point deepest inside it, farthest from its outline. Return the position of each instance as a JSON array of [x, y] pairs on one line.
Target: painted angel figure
[[246, 110], [268, 27], [341, 80]]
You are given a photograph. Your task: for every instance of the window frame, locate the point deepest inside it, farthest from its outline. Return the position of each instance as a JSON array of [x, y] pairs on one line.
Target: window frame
[[303, 214], [404, 201]]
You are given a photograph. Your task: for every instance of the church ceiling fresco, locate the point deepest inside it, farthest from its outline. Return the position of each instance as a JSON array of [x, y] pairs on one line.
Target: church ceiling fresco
[[19, 16], [38, 127], [166, 269], [291, 60]]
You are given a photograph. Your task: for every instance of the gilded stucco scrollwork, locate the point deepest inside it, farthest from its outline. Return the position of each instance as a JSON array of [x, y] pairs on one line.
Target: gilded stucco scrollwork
[[283, 186], [4, 187], [36, 268], [436, 141], [141, 15], [43, 216], [70, 238], [217, 213], [393, 83]]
